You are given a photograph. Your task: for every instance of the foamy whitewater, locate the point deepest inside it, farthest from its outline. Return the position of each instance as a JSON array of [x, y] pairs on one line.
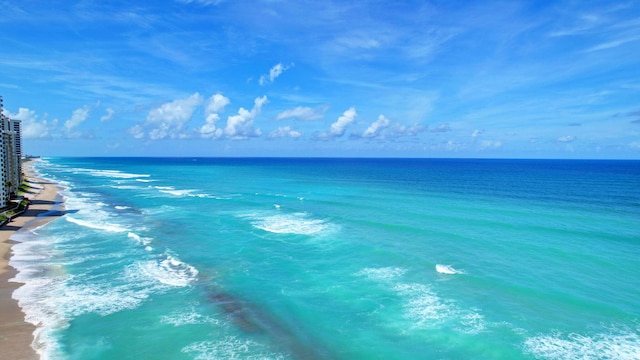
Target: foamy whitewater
[[335, 259]]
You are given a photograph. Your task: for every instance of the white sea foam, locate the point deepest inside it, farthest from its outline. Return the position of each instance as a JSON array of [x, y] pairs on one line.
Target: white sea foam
[[50, 297], [139, 239], [207, 196], [97, 225], [185, 192], [448, 269], [472, 322], [126, 187], [169, 270], [109, 173], [619, 345], [229, 348], [118, 207], [382, 274], [117, 174], [189, 316], [422, 305], [145, 180], [177, 192], [296, 223]]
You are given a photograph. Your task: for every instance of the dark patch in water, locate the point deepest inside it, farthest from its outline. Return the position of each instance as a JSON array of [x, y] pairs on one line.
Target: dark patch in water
[[251, 320], [236, 311]]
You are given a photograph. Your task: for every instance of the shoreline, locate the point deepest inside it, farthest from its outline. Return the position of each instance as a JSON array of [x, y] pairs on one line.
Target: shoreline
[[16, 335]]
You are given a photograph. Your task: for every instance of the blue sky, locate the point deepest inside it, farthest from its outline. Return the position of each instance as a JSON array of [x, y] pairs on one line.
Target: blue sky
[[514, 79]]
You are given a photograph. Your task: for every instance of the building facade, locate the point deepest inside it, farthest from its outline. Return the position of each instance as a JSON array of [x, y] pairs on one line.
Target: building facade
[[10, 157]]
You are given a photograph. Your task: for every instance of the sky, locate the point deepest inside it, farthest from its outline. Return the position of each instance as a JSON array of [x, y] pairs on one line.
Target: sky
[[225, 78]]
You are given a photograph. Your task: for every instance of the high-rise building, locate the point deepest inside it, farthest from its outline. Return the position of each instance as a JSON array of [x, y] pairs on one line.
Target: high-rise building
[[10, 157]]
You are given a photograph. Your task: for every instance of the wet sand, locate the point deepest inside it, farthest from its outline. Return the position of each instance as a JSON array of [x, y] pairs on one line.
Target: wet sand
[[16, 335]]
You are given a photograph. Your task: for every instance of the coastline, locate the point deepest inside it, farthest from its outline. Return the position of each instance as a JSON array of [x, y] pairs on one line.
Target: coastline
[[16, 335]]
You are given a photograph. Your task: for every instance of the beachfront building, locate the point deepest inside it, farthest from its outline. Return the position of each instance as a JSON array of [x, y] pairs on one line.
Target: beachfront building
[[10, 156]]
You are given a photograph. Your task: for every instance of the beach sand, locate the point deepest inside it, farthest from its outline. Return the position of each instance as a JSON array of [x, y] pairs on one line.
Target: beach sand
[[16, 335]]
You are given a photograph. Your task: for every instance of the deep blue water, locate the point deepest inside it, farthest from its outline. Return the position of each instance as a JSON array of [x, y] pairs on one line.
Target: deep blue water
[[336, 259]]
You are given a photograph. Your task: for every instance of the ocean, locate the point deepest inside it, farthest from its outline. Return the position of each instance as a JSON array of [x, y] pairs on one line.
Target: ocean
[[260, 258]]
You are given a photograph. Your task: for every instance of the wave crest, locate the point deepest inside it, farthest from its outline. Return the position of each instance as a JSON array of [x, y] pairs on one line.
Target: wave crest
[[170, 270], [448, 269]]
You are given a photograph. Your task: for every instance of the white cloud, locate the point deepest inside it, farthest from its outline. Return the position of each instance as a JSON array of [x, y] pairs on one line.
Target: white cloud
[[77, 117], [108, 115], [285, 131], [240, 126], [566, 139], [376, 127], [136, 131], [614, 43], [338, 128], [217, 103], [31, 128], [476, 133], [168, 120], [209, 130], [275, 71], [300, 113]]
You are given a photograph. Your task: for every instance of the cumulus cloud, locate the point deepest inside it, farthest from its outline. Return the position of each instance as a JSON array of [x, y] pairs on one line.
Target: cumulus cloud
[[376, 127], [566, 139], [108, 115], [275, 71], [77, 117], [209, 130], [338, 128], [300, 113], [31, 128], [285, 131], [169, 119], [240, 126], [215, 105]]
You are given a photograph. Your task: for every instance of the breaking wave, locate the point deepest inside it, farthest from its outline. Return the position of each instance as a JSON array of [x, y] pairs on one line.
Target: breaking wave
[[169, 270], [448, 269], [296, 223]]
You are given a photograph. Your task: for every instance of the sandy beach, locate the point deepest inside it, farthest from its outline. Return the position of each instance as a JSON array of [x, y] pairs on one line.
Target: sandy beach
[[15, 334]]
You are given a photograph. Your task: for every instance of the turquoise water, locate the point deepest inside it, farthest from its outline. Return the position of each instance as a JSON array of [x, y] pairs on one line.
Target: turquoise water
[[336, 259]]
